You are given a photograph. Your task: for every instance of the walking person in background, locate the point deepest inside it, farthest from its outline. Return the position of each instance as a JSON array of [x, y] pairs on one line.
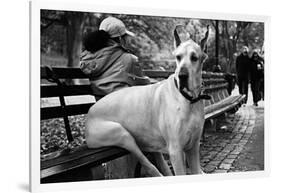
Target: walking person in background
[[256, 76], [243, 63], [107, 60]]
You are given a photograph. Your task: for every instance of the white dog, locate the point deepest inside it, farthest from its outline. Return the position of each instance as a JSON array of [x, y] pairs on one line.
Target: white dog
[[166, 117]]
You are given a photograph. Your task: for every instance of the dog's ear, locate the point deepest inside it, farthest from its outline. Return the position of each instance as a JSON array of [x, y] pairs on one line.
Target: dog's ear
[[177, 37], [204, 57], [203, 42], [180, 35]]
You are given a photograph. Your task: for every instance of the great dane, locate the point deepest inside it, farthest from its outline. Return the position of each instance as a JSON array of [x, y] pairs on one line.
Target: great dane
[[166, 117]]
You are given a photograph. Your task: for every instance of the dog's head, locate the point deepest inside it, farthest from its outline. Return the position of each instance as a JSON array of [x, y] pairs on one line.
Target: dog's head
[[190, 58]]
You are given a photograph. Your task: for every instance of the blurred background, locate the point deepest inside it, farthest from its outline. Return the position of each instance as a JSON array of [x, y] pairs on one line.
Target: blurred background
[[62, 32]]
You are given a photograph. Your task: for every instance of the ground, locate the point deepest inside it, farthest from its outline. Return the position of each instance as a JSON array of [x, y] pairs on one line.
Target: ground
[[237, 144], [252, 156]]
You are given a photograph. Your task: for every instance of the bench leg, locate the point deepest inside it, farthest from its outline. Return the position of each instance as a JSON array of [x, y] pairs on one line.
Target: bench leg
[[98, 173], [214, 125], [121, 168], [210, 125]]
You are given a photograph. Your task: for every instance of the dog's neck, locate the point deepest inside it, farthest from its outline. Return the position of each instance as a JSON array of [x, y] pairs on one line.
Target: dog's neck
[[190, 98]]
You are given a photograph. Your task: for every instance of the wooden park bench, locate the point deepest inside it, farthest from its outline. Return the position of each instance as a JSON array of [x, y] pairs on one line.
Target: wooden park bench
[[75, 164]]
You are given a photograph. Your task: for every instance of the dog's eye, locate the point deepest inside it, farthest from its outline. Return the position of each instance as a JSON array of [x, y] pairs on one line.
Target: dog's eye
[[194, 58], [178, 57]]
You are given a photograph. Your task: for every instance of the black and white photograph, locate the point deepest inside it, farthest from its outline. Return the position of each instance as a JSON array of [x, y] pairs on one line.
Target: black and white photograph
[[138, 96]]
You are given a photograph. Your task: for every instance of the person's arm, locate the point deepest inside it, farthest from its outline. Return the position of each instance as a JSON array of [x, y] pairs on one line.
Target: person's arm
[[86, 65], [142, 80], [89, 66], [237, 64], [237, 67], [135, 71]]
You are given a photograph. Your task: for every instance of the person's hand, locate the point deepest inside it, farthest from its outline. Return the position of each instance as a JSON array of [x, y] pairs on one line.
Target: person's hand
[[141, 80]]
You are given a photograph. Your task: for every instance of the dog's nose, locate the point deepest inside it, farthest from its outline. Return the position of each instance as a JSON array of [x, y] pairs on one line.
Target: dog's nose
[[183, 71]]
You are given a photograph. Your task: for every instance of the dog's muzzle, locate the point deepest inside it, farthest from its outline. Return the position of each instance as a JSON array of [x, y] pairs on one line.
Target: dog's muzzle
[[183, 80], [184, 86]]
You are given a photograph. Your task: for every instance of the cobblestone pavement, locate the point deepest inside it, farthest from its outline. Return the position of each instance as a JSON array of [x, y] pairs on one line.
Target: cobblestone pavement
[[252, 156], [222, 149]]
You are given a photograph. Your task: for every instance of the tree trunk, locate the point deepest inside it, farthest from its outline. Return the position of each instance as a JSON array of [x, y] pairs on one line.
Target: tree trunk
[[217, 42], [74, 39]]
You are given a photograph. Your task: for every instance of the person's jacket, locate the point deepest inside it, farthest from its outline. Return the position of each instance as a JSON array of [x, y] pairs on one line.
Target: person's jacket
[[111, 69], [256, 70], [243, 67]]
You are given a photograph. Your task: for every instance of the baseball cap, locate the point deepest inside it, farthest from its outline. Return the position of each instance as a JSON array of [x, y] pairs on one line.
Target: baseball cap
[[114, 27]]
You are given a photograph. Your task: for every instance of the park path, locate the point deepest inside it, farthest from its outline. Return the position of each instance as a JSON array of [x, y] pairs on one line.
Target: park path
[[238, 143]]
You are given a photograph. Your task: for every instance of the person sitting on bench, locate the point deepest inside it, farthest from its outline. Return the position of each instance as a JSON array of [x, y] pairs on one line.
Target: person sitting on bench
[[107, 60]]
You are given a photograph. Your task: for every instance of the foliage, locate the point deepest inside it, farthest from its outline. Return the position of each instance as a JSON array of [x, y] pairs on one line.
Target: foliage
[[53, 134], [153, 43]]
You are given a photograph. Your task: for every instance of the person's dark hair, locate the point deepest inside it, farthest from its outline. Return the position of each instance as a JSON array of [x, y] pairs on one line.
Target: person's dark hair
[[117, 39], [96, 40]]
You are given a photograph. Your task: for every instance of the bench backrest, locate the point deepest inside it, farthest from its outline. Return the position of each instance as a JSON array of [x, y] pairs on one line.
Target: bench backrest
[[215, 84]]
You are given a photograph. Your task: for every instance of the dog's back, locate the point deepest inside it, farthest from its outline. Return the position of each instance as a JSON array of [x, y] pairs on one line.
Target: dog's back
[[138, 110]]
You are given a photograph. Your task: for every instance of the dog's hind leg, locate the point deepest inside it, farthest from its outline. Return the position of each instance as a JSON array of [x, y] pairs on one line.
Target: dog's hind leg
[[161, 164], [107, 133], [129, 143]]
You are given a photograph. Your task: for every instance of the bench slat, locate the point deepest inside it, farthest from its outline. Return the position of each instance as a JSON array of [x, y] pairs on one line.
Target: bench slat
[[76, 73], [211, 88], [64, 73], [90, 157], [220, 104], [166, 74], [70, 90], [74, 90], [60, 157], [223, 106], [208, 82], [55, 112], [212, 75], [157, 73]]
